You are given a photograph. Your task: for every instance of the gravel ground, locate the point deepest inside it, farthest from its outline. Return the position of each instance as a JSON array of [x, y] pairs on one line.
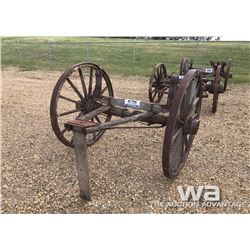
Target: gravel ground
[[38, 173]]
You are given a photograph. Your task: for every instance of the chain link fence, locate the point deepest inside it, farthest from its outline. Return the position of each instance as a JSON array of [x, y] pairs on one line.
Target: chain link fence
[[130, 58]]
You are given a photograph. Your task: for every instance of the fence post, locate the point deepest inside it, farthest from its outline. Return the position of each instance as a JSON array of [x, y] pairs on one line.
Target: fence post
[[197, 51], [83, 58], [49, 54], [87, 51], [19, 52], [133, 60]]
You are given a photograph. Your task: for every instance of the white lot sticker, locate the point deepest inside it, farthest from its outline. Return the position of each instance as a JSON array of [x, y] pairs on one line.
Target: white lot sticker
[[132, 103], [181, 77], [209, 70]]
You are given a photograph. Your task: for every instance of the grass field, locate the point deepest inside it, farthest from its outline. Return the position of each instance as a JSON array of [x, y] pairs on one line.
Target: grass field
[[121, 56]]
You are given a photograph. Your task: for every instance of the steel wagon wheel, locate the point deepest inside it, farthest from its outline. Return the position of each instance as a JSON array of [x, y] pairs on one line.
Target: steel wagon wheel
[[74, 95], [183, 123], [157, 89], [216, 88]]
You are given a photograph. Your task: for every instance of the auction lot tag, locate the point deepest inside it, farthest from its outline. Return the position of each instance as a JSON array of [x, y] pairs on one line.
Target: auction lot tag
[[209, 70], [132, 103]]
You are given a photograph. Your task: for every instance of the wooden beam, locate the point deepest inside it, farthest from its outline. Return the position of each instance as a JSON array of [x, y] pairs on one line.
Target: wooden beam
[[122, 112], [113, 123], [79, 140], [134, 104]]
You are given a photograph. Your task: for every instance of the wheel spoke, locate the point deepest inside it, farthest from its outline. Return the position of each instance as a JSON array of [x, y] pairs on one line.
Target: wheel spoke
[[177, 133], [104, 89], [76, 90], [193, 105], [70, 112], [162, 81], [68, 99], [186, 142], [195, 101], [179, 120], [159, 71], [194, 90], [156, 78], [97, 118], [161, 75], [177, 151], [160, 95], [90, 81], [83, 82], [154, 95]]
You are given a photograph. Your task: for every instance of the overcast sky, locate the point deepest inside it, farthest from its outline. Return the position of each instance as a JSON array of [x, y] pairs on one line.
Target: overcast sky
[[128, 18]]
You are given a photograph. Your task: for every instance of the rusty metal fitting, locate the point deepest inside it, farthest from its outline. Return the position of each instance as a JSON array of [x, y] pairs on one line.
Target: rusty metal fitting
[[191, 126]]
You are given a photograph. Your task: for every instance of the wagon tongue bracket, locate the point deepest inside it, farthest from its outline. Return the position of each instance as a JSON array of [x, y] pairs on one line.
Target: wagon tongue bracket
[[79, 123]]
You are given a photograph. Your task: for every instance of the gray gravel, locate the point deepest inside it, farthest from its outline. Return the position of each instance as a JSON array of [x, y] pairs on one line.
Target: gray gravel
[[39, 173]]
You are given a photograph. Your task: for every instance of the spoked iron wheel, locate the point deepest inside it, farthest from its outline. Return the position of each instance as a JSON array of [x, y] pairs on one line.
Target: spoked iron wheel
[[227, 75], [183, 124], [157, 85], [74, 95], [216, 88], [185, 66]]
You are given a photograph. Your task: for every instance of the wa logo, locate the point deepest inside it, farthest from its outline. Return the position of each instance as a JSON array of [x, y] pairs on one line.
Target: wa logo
[[208, 193]]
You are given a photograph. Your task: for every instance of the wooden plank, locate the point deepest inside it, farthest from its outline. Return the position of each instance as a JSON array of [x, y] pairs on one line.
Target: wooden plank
[[134, 104], [118, 122], [79, 123], [79, 140]]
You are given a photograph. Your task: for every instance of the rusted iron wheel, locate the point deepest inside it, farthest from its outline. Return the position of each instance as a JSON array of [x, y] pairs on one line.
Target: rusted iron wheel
[[216, 88], [185, 66], [74, 95], [227, 75], [183, 123], [157, 84]]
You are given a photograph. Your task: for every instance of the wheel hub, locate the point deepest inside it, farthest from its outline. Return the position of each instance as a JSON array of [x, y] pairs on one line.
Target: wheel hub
[[88, 106], [191, 125]]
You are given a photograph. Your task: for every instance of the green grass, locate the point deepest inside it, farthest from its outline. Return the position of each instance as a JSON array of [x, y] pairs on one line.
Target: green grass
[[116, 55]]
